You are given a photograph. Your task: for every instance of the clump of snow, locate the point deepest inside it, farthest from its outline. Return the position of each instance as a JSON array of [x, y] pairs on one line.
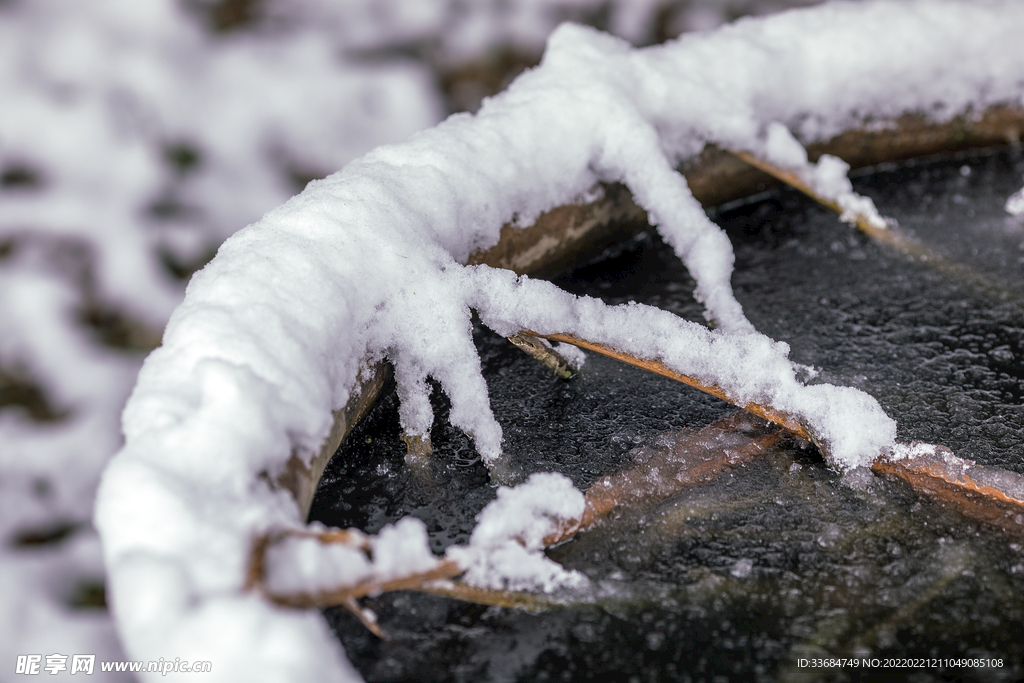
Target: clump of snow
[[1015, 203], [743, 568], [527, 514], [401, 549], [506, 549], [573, 355], [830, 180], [827, 177], [365, 265], [512, 567], [783, 149], [303, 564]]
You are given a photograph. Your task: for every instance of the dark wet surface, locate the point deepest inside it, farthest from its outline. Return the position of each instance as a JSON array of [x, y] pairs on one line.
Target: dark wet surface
[[775, 560]]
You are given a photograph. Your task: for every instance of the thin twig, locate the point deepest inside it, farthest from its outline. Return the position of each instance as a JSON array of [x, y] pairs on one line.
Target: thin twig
[[883, 233], [444, 569], [701, 456], [435, 581], [767, 412], [889, 234], [987, 494], [544, 354], [367, 618], [490, 596]]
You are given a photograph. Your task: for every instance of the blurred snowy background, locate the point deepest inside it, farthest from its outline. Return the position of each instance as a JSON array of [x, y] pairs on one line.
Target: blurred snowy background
[[135, 136]]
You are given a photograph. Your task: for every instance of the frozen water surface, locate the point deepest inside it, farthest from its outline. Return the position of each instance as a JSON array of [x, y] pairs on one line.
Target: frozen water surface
[[777, 559], [942, 352]]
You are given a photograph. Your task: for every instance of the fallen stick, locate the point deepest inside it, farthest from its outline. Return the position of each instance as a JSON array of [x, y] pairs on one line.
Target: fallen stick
[[700, 456], [256, 572]]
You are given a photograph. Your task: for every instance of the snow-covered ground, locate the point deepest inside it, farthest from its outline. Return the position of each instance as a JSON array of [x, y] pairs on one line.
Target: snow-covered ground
[[136, 137]]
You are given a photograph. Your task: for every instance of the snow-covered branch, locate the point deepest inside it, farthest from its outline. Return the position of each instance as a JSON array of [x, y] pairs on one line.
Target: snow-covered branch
[[367, 265]]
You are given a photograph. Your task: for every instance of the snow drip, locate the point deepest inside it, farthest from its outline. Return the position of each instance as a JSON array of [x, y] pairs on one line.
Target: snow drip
[[366, 264]]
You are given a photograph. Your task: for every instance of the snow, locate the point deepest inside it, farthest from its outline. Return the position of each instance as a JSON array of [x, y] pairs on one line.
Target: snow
[[304, 564], [1015, 203], [827, 177], [743, 568], [366, 263], [506, 549], [911, 451], [573, 355], [465, 30], [95, 97]]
